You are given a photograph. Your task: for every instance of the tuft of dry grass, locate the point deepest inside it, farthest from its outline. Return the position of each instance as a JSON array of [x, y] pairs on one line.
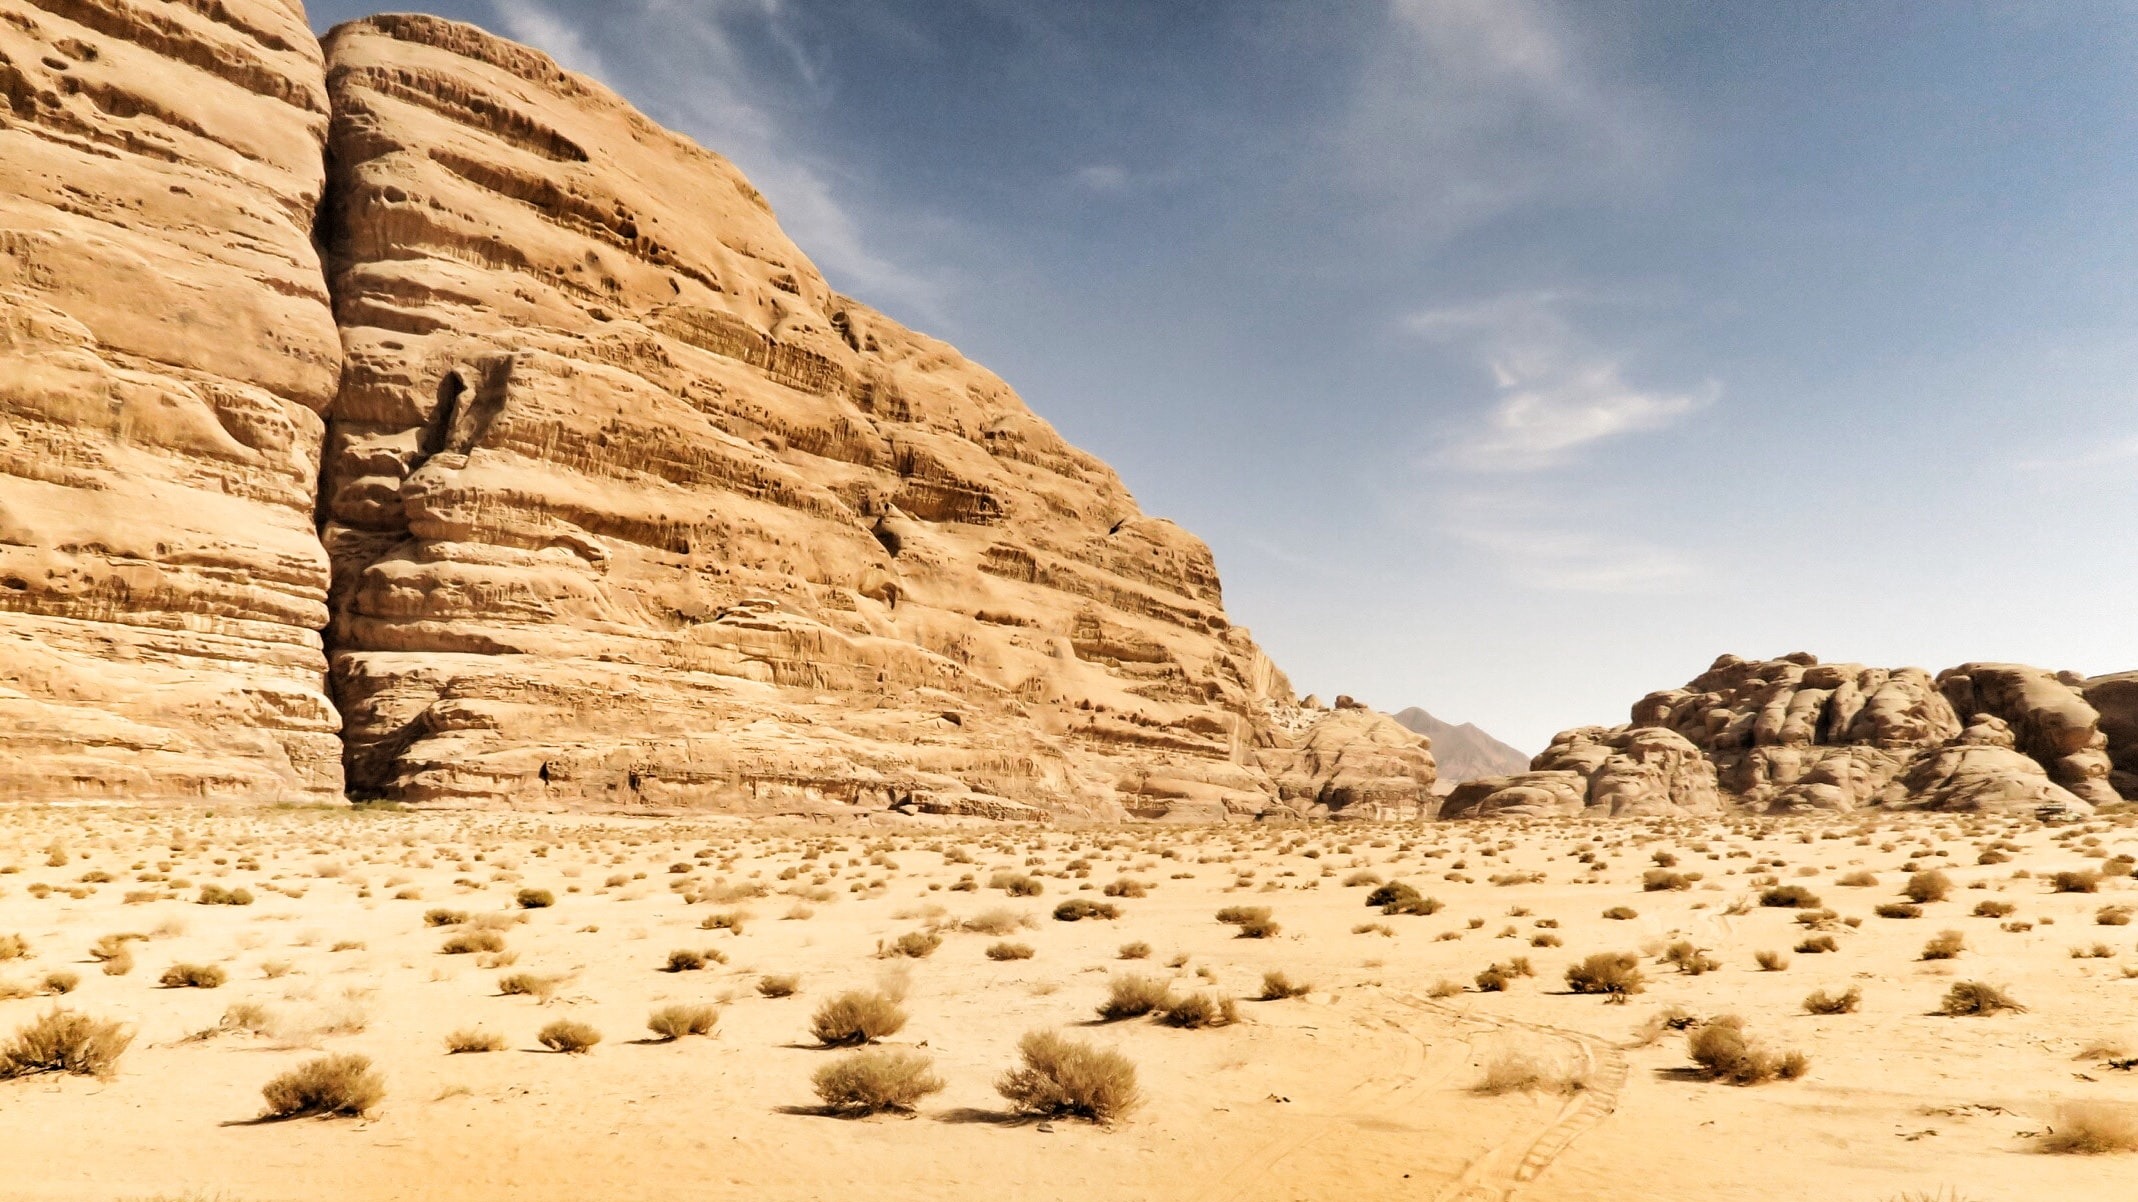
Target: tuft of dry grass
[[1278, 986], [462, 943], [875, 1080], [1518, 1072], [568, 1035], [193, 976], [674, 1022], [344, 1084], [2092, 1127], [1947, 946], [1928, 886], [469, 1040], [856, 1017], [782, 984], [1196, 1011], [1977, 998], [527, 984], [1616, 974], [1822, 1002], [999, 921], [1005, 950], [1771, 961], [1132, 996], [64, 1041], [1066, 1077]]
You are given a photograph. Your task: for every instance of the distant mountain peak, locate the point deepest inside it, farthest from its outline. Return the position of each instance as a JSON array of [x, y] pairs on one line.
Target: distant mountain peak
[[1464, 752]]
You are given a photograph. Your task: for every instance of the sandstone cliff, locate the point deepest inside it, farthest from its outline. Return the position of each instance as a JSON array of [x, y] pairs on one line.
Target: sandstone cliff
[[167, 354], [619, 503], [1793, 734]]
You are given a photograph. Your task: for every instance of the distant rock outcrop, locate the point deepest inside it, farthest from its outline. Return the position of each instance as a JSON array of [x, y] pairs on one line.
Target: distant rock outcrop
[[619, 504], [1793, 734], [1462, 752]]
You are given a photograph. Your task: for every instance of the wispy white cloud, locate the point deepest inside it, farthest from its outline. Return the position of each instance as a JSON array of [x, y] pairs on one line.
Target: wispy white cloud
[[1556, 392], [700, 67], [1103, 178], [1472, 107], [1569, 561], [2114, 451]]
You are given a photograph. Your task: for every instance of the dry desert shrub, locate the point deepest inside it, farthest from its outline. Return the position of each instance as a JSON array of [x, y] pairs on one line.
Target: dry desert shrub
[[1947, 946], [1621, 913], [1928, 886], [444, 918], [1064, 1077], [1616, 974], [1242, 915], [1723, 1053], [684, 959], [534, 899], [1278, 986], [1196, 1011], [2087, 881], [64, 1041], [2092, 1127], [778, 984], [876, 1080], [193, 976], [1126, 888], [674, 1022], [1512, 1072], [2113, 916], [856, 1017], [1817, 945], [914, 945], [471, 1041], [999, 921], [1977, 998], [330, 1085], [1132, 996], [463, 943], [568, 1035], [1992, 908], [1076, 909], [1857, 880], [1016, 884], [1006, 950], [1395, 897], [1822, 1002], [56, 983], [1138, 950], [527, 984], [1443, 989], [1662, 880], [13, 947], [1899, 910], [1690, 960], [1789, 897], [217, 895], [1771, 961], [730, 921]]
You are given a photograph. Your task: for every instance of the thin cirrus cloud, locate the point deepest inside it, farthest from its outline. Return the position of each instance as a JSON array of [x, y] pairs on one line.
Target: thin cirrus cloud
[[1556, 393], [1553, 558], [695, 65]]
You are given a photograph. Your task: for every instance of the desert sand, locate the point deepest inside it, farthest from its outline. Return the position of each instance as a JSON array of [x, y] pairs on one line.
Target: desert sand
[[1367, 1086]]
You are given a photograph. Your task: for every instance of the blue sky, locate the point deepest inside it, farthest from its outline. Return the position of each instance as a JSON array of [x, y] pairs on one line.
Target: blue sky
[[1515, 357]]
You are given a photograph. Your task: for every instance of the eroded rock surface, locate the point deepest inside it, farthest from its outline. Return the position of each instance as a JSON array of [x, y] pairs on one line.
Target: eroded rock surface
[[166, 355], [1793, 734], [627, 507]]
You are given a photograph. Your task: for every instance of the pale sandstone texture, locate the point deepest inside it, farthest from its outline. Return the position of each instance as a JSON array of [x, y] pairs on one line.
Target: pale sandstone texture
[[628, 508], [1793, 734], [167, 354]]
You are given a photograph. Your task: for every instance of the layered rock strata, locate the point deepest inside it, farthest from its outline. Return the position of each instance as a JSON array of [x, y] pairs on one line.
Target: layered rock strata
[[167, 355], [1793, 734], [629, 508]]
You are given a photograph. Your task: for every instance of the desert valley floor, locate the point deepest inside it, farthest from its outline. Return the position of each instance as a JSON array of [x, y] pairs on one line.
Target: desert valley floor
[[1395, 1076]]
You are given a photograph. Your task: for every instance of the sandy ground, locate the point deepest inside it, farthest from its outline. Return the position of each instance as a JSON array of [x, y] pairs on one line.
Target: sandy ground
[[1365, 1088]]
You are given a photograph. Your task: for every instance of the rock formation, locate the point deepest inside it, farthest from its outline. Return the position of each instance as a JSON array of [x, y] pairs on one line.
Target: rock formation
[[2115, 698], [619, 503], [167, 354], [1793, 734], [1464, 752]]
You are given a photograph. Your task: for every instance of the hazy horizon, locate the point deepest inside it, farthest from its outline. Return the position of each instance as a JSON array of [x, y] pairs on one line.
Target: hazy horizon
[[1515, 358]]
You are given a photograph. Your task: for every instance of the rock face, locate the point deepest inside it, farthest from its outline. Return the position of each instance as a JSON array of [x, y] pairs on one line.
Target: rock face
[[1793, 734], [628, 508], [2115, 698], [167, 354], [1462, 752]]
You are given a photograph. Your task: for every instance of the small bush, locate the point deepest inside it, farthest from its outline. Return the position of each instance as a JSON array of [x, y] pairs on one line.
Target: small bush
[[876, 1080], [1992, 908], [684, 959], [1822, 1002], [1771, 961], [470, 1041], [1241, 915], [1621, 913], [1789, 897], [444, 918], [64, 1041], [1126, 888], [569, 1035], [856, 1017], [1947, 946], [193, 976], [59, 982], [1818, 944], [2113, 916], [1000, 921], [216, 895], [14, 947], [1690, 960], [1511, 1072], [2091, 1127], [1006, 950], [915, 945], [1138, 950], [535, 899], [1277, 986], [1195, 1011], [1925, 887], [1395, 897], [1660, 880], [1617, 974], [778, 984], [674, 1022], [1016, 884], [1260, 929], [725, 920], [2087, 881], [1723, 1053], [1064, 1077], [461, 943], [1977, 998], [1857, 880], [331, 1085], [1076, 909], [1899, 910], [527, 984], [1131, 996]]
